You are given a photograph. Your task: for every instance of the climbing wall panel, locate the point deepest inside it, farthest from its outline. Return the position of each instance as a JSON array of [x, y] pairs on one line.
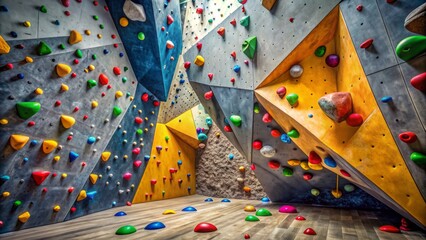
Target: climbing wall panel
[[201, 117], [171, 170], [183, 126]]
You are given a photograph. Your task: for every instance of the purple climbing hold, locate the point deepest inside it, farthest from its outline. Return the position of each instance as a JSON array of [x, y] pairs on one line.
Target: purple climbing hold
[[332, 60]]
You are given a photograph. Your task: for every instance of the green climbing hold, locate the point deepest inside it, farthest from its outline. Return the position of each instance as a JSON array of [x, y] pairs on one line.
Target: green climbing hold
[[101, 26], [410, 47], [27, 109], [139, 131], [95, 17], [124, 230], [124, 79], [167, 138], [210, 20], [125, 69], [293, 133], [43, 49], [288, 172], [263, 212], [315, 192], [418, 158], [252, 218], [292, 99], [249, 46], [94, 57], [17, 203], [62, 46], [91, 83], [245, 21], [78, 53], [320, 51], [256, 108], [116, 111], [141, 36], [43, 9], [236, 120]]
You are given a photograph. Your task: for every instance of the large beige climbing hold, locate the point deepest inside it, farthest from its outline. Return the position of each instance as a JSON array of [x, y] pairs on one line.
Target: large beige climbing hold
[[75, 37], [93, 178], [105, 156], [4, 47], [49, 145], [62, 69], [134, 11], [18, 141], [23, 218], [82, 195], [67, 121]]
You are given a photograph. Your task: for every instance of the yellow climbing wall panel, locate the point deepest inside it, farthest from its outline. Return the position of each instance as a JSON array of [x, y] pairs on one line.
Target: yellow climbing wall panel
[[184, 127], [369, 148], [159, 167]]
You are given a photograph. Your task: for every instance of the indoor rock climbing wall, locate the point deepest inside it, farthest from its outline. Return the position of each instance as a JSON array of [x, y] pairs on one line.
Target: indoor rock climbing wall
[[334, 83]]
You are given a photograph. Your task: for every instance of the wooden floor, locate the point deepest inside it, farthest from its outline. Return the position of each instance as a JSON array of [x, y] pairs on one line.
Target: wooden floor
[[329, 223]]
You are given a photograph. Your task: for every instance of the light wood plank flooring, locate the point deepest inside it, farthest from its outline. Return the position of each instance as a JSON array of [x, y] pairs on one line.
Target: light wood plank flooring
[[329, 223]]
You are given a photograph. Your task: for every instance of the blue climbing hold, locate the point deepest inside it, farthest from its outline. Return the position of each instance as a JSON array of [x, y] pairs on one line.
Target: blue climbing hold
[[91, 140], [20, 76], [33, 143], [329, 161], [182, 81], [120, 214], [114, 203], [13, 34], [106, 51], [5, 178], [91, 195], [188, 175], [202, 137], [73, 156], [231, 156], [208, 200], [189, 209], [209, 121], [226, 121], [4, 9], [56, 22], [386, 99], [26, 159], [285, 138], [225, 200], [146, 157], [265, 199], [310, 115], [237, 68], [155, 226], [179, 162], [121, 54]]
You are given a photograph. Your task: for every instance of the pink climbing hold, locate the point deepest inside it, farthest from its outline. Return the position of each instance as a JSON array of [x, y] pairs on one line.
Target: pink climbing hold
[[40, 176], [419, 82], [367, 43], [136, 151], [199, 46], [137, 163], [287, 209], [389, 228], [153, 181], [310, 231], [66, 3], [138, 120], [300, 218], [103, 79], [354, 120], [281, 91], [208, 95], [408, 137], [253, 167], [116, 70], [170, 19], [205, 227], [127, 176], [210, 75], [314, 158], [267, 118]]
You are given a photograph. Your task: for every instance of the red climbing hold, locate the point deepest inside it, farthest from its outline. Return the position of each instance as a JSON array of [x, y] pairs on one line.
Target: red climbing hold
[[367, 43], [70, 189], [253, 167], [408, 137], [205, 227], [300, 218], [156, 103], [153, 181], [210, 75], [199, 46], [233, 22], [40, 176], [208, 95], [291, 19], [186, 65], [232, 80], [58, 103], [128, 203], [115, 45], [309, 231], [221, 31], [275, 133], [227, 128], [73, 209], [314, 158], [274, 164], [85, 117], [67, 13], [359, 8], [344, 173], [145, 97], [281, 91], [66, 3], [73, 75], [136, 151], [307, 176], [199, 10], [138, 120], [234, 54], [389, 228], [9, 66], [257, 145], [103, 79], [116, 70], [390, 1], [246, 236], [419, 82], [31, 123], [137, 163], [76, 61], [267, 118], [354, 120], [170, 19]]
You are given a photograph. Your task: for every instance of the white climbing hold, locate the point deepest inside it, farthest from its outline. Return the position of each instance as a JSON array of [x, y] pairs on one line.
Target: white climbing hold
[[134, 11]]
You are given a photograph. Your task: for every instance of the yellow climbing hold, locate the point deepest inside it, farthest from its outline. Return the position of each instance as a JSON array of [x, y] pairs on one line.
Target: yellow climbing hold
[[94, 104], [75, 37], [57, 158], [67, 121], [118, 94], [105, 156], [4, 121], [315, 166], [27, 24], [293, 162], [23, 218], [62, 69], [99, 36], [28, 59], [38, 91], [82, 195], [64, 87], [49, 145], [4, 47], [18, 141], [56, 208], [124, 22], [64, 175], [5, 194], [87, 32], [91, 67], [249, 208], [169, 211], [93, 178], [199, 60], [304, 165]]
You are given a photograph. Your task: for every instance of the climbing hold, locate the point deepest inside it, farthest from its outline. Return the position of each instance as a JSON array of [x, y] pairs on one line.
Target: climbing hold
[[208, 200], [202, 137], [288, 172], [320, 51], [293, 133], [408, 137], [309, 231], [252, 218], [27, 109], [103, 79], [91, 83], [127, 176], [18, 141], [300, 218], [274, 164], [237, 68], [329, 161], [118, 94], [246, 236], [116, 70], [205, 227], [418, 158], [155, 226], [169, 44], [281, 91], [336, 193], [75, 37], [249, 208], [314, 158], [267, 118], [67, 121], [226, 200], [257, 145], [64, 87], [170, 19], [354, 120], [169, 211], [120, 214], [410, 47], [62, 69], [116, 111], [73, 156], [221, 31], [40, 176], [389, 228], [208, 95], [296, 71], [263, 212], [189, 209], [315, 192], [293, 162], [4, 47], [249, 46], [4, 178], [367, 43], [307, 176], [93, 178], [27, 24], [23, 218], [349, 188], [419, 82], [337, 105], [48, 146], [127, 229], [43, 49], [199, 60], [134, 11], [332, 60], [246, 189], [236, 120], [267, 151], [275, 133], [287, 209], [82, 195], [245, 21], [293, 99]]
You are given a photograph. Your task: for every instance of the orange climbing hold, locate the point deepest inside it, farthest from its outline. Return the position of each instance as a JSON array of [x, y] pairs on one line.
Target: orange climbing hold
[[18, 141], [23, 218], [49, 145], [93, 178], [4, 47], [105, 156], [82, 195], [67, 121], [75, 37], [62, 69]]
